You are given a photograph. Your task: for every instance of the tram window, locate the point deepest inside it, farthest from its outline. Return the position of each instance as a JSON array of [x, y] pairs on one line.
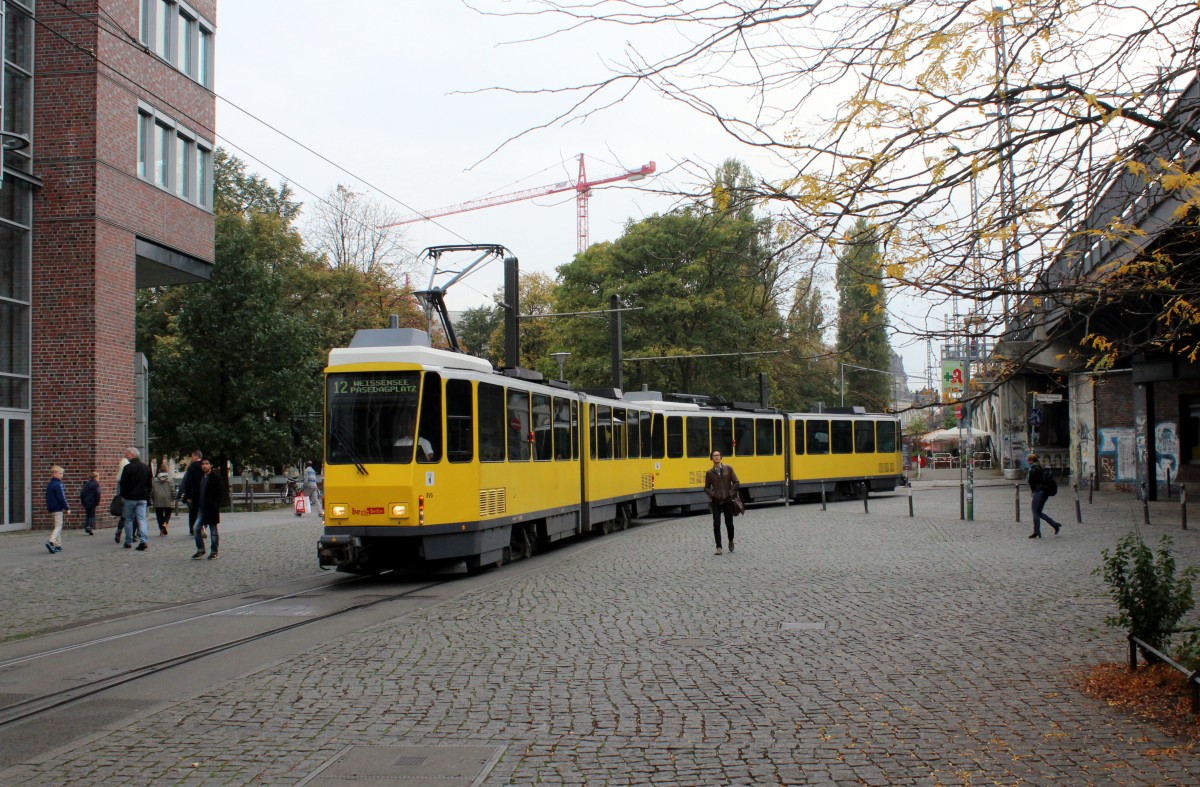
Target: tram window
[[743, 441], [518, 426], [492, 424], [778, 437], [635, 436], [365, 413], [602, 434], [697, 436], [722, 436], [885, 437], [543, 435], [675, 436], [574, 430], [562, 428], [864, 437], [841, 437], [649, 448], [618, 432], [429, 431], [818, 437], [798, 436], [764, 438], [460, 437]]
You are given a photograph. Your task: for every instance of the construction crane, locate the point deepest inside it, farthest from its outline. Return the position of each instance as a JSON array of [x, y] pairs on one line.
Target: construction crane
[[582, 188]]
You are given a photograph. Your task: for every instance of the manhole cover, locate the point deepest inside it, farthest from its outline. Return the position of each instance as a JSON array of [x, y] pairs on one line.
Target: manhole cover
[[411, 766], [690, 642]]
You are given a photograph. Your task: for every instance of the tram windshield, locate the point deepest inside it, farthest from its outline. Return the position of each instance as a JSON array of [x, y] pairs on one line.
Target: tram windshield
[[371, 417]]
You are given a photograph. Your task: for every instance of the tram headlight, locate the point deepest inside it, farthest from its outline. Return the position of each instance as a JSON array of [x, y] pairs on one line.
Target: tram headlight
[[338, 511], [399, 510]]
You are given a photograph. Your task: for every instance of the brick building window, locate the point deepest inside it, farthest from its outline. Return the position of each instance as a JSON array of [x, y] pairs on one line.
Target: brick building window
[[173, 157], [179, 35]]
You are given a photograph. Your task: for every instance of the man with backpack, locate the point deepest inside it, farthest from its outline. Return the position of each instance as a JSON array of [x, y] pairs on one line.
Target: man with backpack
[[1043, 486]]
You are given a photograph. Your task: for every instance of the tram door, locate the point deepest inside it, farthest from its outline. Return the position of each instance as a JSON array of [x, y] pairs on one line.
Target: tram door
[[14, 471]]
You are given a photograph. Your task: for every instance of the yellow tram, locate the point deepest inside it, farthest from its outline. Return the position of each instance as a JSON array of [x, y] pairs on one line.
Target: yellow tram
[[434, 457]]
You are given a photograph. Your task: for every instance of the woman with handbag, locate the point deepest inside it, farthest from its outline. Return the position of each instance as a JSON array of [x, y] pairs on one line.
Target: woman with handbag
[[721, 486]]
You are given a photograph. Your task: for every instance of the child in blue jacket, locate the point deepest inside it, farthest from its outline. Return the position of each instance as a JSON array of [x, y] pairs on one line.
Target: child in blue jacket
[[56, 504]]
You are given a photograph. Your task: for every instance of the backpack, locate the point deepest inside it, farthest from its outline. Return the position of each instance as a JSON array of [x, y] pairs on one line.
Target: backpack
[[1049, 485]]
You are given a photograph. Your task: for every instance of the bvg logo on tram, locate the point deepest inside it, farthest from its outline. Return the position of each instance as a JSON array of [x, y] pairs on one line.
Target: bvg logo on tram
[[366, 511]]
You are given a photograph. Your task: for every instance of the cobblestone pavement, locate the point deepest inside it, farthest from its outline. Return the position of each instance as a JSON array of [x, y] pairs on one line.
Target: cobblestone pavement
[[834, 647], [94, 578]]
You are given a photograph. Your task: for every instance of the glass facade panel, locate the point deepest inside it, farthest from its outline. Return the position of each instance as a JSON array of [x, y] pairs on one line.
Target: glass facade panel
[[14, 338], [18, 38], [14, 263], [15, 201]]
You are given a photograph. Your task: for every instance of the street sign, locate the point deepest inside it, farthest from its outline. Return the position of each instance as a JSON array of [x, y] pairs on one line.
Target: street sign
[[958, 411], [1055, 397]]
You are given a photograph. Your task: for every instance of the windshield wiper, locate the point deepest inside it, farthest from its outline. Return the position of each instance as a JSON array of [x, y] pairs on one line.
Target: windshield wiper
[[338, 435]]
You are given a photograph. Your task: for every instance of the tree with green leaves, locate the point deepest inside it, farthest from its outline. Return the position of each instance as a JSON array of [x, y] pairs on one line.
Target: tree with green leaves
[[232, 363], [475, 329], [705, 280], [804, 375], [862, 331]]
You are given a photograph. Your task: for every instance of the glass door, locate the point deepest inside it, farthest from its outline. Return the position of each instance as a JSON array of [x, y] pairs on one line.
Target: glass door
[[14, 471]]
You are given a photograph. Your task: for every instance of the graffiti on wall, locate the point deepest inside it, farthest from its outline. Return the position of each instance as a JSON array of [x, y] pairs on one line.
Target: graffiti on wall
[[1118, 454], [1084, 448], [1166, 449]]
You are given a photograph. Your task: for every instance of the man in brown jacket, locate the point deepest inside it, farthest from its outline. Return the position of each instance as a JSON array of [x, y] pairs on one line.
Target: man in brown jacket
[[721, 486]]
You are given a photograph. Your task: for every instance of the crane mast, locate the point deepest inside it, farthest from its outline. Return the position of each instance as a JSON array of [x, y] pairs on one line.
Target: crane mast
[[582, 188]]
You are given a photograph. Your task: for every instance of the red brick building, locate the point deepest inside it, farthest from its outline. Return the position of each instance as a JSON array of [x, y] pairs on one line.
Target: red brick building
[[112, 194]]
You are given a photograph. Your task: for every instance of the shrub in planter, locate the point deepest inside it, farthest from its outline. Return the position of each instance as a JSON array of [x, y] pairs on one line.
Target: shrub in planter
[[1150, 598]]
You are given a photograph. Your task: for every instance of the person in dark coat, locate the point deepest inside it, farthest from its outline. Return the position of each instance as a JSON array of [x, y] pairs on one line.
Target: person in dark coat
[[89, 496], [189, 490], [1037, 485], [721, 486], [210, 498], [135, 483]]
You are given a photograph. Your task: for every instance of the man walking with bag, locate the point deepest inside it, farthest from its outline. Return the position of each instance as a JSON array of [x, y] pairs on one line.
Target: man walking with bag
[[721, 486], [1040, 484]]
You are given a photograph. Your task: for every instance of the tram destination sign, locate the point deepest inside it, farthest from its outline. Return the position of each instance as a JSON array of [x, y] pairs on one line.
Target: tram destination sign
[[353, 385]]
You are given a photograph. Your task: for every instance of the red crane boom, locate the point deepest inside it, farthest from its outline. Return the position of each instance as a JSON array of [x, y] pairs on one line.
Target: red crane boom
[[582, 188]]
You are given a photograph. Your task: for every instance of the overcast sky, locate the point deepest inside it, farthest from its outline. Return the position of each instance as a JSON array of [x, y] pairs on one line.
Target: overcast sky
[[381, 88]]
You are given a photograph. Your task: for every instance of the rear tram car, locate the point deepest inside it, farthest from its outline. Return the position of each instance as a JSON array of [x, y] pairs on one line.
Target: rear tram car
[[433, 457]]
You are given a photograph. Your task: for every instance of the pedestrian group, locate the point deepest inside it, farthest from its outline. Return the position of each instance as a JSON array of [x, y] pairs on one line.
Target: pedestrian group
[[202, 491]]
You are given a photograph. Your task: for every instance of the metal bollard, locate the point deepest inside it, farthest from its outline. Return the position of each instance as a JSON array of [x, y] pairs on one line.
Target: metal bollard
[[822, 495], [1017, 501], [1078, 511], [1183, 505], [910, 500], [1145, 503], [1091, 486], [962, 501], [866, 508]]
